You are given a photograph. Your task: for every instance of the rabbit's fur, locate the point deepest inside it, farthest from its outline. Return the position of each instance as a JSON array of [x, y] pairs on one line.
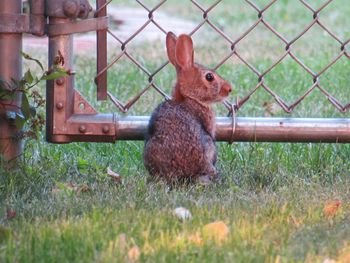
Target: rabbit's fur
[[180, 144]]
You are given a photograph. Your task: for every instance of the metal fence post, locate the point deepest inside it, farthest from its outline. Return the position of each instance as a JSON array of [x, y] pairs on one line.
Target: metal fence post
[[61, 101], [11, 145]]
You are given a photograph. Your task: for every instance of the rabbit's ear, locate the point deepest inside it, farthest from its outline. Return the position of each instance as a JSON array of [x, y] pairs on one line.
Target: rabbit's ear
[[171, 46], [184, 52]]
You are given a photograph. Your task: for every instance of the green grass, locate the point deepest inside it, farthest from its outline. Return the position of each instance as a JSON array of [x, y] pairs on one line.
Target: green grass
[[271, 195]]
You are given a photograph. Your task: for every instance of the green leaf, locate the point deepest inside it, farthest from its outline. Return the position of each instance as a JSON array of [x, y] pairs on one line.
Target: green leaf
[[25, 108], [20, 120], [54, 75], [28, 77], [22, 84], [26, 56], [82, 165], [6, 94]]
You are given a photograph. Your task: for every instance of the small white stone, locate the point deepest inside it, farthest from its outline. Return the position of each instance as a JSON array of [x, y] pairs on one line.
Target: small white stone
[[182, 213]]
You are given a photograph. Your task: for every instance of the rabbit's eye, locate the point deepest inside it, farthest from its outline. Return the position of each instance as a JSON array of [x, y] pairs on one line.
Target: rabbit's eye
[[209, 77]]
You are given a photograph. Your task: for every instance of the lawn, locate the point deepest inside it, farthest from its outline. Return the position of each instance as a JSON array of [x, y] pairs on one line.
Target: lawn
[[275, 202]]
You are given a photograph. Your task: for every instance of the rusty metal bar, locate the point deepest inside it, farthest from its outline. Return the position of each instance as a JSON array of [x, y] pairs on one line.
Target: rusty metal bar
[[60, 92], [101, 80], [14, 23], [336, 130], [37, 18], [81, 26], [255, 129], [11, 145], [285, 129], [69, 116]]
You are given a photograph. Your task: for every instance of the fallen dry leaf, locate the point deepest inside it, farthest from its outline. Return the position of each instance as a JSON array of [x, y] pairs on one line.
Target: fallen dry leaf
[[296, 221], [195, 239], [84, 188], [116, 177], [217, 231], [70, 187], [134, 254], [331, 208], [182, 213]]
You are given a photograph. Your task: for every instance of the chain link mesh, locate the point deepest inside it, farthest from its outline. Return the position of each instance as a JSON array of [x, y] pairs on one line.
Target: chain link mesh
[[261, 75]]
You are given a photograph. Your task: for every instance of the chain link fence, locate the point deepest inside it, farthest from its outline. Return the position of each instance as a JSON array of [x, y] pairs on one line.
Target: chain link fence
[[206, 11], [239, 39]]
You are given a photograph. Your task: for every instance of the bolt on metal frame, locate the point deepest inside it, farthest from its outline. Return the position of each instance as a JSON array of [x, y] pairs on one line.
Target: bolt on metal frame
[[70, 117]]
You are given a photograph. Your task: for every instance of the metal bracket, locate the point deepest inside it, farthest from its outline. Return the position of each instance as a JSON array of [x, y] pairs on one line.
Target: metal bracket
[[81, 105], [85, 121], [22, 23], [81, 26], [70, 117], [14, 23]]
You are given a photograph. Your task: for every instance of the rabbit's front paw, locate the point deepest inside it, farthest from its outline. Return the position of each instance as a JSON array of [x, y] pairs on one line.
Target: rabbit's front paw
[[204, 180], [208, 178]]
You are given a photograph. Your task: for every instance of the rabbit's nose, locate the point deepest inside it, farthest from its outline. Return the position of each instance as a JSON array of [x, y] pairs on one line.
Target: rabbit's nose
[[227, 87]]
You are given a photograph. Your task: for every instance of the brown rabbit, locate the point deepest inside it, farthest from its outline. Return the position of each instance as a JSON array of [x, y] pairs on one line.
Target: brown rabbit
[[180, 144]]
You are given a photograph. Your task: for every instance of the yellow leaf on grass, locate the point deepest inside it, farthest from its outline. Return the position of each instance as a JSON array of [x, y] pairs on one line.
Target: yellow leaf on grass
[[134, 254], [296, 221], [217, 231], [183, 240], [195, 239], [331, 208], [147, 249], [344, 255], [278, 259]]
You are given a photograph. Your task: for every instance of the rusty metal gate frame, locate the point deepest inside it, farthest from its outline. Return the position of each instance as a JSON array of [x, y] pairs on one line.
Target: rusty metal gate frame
[[70, 117]]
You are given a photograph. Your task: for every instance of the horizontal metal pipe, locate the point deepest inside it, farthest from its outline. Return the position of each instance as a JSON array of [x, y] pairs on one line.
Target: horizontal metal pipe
[[255, 129], [247, 129]]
